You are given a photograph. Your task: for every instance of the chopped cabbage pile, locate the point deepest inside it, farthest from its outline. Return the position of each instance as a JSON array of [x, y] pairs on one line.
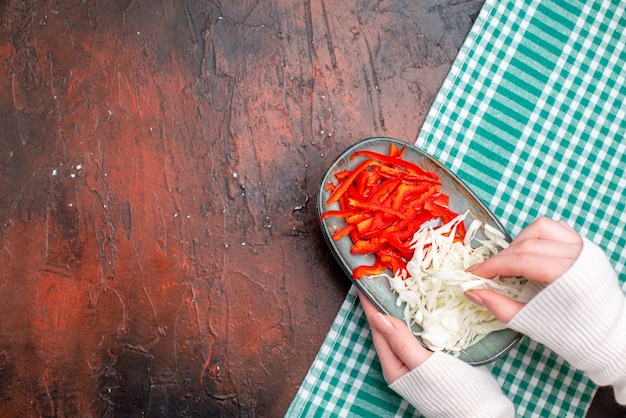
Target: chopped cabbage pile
[[435, 278]]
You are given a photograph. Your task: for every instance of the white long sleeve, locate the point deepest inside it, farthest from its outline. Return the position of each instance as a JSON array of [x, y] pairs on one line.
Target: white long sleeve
[[444, 386], [582, 317]]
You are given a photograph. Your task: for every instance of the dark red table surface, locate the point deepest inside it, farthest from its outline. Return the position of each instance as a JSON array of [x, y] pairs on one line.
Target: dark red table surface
[[159, 248]]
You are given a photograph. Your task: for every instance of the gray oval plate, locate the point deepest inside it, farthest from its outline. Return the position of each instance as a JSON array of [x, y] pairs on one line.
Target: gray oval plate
[[377, 289]]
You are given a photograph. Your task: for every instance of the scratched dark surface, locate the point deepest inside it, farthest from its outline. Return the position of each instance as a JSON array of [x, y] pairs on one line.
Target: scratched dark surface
[[159, 250]]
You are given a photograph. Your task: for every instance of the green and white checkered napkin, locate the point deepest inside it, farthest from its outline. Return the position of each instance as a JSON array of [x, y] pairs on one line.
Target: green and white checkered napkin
[[532, 117]]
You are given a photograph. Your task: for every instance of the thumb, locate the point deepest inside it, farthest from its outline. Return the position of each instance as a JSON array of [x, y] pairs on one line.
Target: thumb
[[400, 339], [502, 307]]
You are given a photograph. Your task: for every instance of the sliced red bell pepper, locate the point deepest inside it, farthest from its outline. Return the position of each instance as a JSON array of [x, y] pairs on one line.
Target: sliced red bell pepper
[[384, 190], [342, 232], [340, 213], [376, 206], [384, 201], [343, 186], [358, 218], [393, 172], [391, 259], [367, 246], [412, 195], [394, 151], [377, 225], [407, 165], [365, 270]]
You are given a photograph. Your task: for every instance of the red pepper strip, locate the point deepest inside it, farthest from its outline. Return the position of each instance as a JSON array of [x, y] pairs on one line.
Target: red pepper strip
[[411, 214], [409, 166], [441, 199], [343, 201], [361, 182], [390, 258], [411, 195], [367, 179], [351, 190], [367, 246], [460, 231], [340, 233], [377, 225], [364, 271], [382, 221], [407, 228], [375, 206], [343, 186], [403, 247], [341, 175], [420, 199], [376, 181], [358, 218], [405, 234], [441, 202], [416, 178], [384, 190], [340, 213], [437, 204], [394, 151], [409, 177], [363, 227]]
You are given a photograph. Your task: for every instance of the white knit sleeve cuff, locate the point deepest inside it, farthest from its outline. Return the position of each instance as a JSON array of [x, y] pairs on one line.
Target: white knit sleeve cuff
[[444, 386]]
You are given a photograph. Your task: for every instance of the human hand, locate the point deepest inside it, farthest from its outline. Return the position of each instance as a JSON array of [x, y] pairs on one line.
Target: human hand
[[398, 349], [542, 252]]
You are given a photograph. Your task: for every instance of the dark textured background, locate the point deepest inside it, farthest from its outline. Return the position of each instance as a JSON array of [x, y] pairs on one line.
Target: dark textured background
[[158, 166]]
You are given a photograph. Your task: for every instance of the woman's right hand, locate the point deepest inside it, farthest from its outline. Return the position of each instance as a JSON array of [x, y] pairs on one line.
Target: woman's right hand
[[542, 252]]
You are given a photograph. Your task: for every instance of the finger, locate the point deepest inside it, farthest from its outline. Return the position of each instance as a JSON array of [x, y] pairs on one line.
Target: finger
[[397, 335], [546, 247], [502, 307], [567, 226], [393, 367], [531, 266], [401, 340], [539, 260], [545, 228]]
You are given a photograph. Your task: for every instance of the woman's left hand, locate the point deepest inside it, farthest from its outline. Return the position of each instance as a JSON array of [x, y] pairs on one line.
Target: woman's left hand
[[398, 349]]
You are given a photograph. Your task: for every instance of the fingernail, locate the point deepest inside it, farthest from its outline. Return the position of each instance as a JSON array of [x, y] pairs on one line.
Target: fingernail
[[472, 267], [474, 298], [381, 322]]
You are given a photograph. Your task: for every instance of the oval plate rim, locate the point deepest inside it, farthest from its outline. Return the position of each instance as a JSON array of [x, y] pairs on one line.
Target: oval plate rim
[[512, 337]]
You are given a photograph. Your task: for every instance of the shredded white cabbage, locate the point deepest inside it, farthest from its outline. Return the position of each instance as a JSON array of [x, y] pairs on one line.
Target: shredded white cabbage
[[435, 278]]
